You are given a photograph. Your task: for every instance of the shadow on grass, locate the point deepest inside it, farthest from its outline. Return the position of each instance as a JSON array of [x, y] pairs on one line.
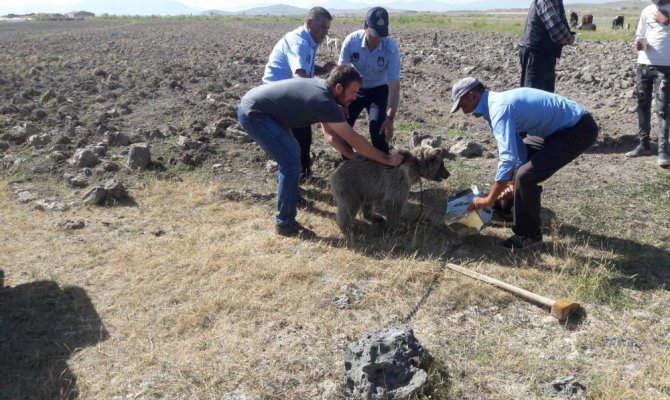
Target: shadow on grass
[[41, 326], [636, 266]]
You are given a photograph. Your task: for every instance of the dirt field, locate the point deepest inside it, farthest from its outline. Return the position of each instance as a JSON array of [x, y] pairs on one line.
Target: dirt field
[[184, 291]]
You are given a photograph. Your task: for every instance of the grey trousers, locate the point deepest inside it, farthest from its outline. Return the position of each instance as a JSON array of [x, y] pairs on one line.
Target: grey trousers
[[545, 157], [653, 80]]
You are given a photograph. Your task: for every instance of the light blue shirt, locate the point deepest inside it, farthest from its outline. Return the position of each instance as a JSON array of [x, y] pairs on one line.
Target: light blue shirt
[[536, 112], [296, 50], [377, 67]]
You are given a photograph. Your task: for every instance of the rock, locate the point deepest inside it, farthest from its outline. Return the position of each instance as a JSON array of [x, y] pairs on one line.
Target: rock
[[467, 148], [117, 139], [79, 180], [567, 387], [139, 156], [83, 158], [3, 145], [49, 204], [39, 141], [349, 296], [95, 196], [72, 225], [188, 143], [109, 166], [116, 189], [384, 365], [30, 129]]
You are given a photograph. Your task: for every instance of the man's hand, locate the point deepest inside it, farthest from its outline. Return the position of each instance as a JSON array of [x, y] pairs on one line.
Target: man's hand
[[507, 194], [480, 202], [638, 45], [387, 128], [395, 159]]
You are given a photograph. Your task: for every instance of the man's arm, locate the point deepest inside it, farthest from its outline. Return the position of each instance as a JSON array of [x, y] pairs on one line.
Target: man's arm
[[555, 22], [337, 143], [394, 99], [344, 132]]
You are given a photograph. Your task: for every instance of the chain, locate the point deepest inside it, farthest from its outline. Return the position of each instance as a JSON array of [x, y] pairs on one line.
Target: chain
[[429, 289]]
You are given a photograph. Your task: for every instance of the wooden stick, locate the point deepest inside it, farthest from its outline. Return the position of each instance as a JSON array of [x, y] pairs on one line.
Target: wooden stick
[[561, 309]]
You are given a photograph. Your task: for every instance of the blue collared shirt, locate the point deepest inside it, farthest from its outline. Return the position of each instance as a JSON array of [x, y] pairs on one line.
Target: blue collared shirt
[[377, 67], [536, 112], [296, 50]]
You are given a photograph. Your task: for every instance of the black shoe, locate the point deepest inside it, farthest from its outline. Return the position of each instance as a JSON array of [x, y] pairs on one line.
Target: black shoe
[[304, 202], [294, 230], [517, 242]]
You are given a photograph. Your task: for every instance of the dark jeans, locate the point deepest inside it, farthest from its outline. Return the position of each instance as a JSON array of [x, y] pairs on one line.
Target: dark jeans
[[304, 137], [545, 157], [375, 101], [652, 79], [538, 69]]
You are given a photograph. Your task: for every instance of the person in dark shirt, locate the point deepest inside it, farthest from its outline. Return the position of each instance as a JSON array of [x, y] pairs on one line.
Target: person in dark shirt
[[268, 112], [547, 31]]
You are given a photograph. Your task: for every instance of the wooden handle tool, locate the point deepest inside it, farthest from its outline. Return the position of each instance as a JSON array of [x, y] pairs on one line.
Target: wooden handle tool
[[561, 309]]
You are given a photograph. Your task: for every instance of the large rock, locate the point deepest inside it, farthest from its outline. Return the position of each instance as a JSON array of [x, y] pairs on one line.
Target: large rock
[[139, 156], [384, 365], [116, 189], [84, 158], [39, 141], [467, 148], [117, 139]]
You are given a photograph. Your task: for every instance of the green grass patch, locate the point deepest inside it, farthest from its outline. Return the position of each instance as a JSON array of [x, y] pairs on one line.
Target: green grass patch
[[406, 126]]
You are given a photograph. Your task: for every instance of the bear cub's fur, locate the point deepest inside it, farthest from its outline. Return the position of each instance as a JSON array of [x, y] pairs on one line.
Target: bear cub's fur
[[362, 183]]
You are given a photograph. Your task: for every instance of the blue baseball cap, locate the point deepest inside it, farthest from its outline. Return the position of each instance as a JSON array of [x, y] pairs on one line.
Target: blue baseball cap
[[460, 89], [377, 21]]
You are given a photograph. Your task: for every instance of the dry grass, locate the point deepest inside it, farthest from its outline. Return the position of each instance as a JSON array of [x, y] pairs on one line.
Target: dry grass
[[195, 297]]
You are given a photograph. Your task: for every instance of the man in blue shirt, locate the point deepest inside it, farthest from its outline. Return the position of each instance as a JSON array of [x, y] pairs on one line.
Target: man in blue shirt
[[558, 131], [294, 56], [375, 55], [268, 112]]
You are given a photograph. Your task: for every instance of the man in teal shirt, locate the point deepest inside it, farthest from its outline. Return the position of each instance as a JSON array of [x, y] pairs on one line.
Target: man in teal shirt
[[557, 131]]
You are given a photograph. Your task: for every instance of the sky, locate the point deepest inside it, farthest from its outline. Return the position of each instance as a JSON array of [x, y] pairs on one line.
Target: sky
[[27, 6], [63, 6]]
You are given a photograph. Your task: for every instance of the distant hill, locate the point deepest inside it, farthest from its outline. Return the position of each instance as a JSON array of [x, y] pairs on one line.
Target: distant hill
[[277, 9], [215, 13]]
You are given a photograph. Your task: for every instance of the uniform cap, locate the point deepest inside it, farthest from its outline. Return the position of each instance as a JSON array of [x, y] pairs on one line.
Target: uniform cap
[[377, 20]]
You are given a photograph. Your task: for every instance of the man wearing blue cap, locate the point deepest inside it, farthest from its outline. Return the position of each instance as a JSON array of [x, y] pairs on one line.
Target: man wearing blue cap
[[558, 131], [294, 56], [375, 55]]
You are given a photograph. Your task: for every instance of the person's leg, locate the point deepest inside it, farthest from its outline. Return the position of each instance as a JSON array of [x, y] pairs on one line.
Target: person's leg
[[304, 137], [523, 59], [557, 150], [377, 114], [644, 86], [356, 107], [540, 71], [663, 109], [282, 146]]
